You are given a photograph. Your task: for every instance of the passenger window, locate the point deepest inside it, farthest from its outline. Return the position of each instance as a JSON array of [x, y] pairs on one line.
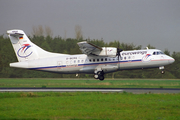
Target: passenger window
[[89, 60], [93, 60], [101, 59], [105, 59], [74, 61], [78, 61], [82, 61], [98, 60], [125, 58]]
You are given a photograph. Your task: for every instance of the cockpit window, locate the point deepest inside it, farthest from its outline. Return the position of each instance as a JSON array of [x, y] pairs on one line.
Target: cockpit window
[[158, 53], [161, 52]]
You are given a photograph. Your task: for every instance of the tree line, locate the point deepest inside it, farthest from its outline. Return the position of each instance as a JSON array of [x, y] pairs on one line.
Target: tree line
[[69, 46]]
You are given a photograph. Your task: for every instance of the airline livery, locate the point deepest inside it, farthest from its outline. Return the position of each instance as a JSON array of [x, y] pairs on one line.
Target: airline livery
[[94, 60]]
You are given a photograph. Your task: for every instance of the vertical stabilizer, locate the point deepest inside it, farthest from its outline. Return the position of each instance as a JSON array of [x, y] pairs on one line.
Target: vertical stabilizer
[[24, 48]]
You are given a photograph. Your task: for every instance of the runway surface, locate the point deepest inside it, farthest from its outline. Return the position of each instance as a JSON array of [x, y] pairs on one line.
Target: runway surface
[[129, 90]]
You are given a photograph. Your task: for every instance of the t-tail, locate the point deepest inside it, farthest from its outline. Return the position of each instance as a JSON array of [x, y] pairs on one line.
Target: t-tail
[[24, 48]]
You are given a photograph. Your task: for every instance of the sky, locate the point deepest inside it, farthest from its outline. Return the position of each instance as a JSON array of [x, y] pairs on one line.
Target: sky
[[141, 22]]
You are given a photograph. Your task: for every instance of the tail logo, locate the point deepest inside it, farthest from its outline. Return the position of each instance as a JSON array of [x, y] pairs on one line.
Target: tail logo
[[146, 58], [24, 51]]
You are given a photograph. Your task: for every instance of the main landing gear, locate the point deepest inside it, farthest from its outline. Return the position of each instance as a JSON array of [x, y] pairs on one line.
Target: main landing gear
[[99, 75]]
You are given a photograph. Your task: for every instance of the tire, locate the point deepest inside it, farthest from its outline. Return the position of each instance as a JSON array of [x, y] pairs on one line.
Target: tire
[[96, 76], [101, 77]]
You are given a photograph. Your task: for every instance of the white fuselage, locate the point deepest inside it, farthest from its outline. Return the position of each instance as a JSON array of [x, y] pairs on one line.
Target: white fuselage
[[68, 64], [95, 60]]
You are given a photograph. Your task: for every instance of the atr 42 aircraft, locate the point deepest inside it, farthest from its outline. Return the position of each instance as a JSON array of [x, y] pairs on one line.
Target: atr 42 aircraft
[[94, 60]]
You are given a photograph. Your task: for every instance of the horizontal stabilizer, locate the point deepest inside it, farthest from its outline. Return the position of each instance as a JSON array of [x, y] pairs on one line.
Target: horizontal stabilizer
[[16, 34]]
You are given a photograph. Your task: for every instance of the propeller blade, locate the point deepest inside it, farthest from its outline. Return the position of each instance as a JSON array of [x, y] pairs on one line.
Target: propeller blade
[[118, 52]]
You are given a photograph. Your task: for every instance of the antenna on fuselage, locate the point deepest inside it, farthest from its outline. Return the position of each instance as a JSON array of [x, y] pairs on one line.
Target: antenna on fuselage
[[147, 48]]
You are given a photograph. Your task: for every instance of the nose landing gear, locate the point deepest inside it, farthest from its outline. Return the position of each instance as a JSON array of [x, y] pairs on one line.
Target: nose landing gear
[[162, 72], [162, 69]]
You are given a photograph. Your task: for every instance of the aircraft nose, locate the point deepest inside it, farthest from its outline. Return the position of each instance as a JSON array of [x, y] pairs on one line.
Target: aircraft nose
[[171, 60]]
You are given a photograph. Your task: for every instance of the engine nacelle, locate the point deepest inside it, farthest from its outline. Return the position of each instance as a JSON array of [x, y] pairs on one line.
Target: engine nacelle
[[108, 51]]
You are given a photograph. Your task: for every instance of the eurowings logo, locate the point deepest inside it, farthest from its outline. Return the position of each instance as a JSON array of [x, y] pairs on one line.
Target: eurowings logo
[[24, 51], [146, 58]]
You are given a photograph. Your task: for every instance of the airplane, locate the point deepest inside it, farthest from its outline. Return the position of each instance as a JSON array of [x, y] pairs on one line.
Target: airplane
[[94, 60]]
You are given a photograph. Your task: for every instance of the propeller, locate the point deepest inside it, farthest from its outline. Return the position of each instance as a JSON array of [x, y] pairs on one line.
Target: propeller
[[118, 54]]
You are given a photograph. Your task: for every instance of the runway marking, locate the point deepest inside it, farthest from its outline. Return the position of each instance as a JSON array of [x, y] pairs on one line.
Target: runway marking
[[59, 90], [129, 90]]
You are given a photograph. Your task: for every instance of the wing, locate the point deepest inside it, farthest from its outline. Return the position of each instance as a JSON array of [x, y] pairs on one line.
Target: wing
[[89, 48]]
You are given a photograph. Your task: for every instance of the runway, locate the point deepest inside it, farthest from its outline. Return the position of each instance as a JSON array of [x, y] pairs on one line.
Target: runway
[[129, 90]]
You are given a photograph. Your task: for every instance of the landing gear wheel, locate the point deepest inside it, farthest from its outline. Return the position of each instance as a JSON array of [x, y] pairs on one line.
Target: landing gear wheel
[[101, 77], [96, 76]]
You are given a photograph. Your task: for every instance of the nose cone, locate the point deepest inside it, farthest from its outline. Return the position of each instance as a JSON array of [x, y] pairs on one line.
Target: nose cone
[[171, 60]]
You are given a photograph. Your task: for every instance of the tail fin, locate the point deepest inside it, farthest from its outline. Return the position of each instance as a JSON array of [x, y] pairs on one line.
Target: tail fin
[[24, 48]]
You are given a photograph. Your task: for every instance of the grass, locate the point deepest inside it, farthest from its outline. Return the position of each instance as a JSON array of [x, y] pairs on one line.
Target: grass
[[88, 105], [87, 83]]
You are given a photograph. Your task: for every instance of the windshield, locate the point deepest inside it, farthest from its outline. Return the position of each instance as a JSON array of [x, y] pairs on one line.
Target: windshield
[[158, 53]]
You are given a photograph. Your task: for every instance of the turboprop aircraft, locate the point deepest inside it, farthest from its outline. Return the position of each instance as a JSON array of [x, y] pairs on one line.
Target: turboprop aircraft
[[94, 60]]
